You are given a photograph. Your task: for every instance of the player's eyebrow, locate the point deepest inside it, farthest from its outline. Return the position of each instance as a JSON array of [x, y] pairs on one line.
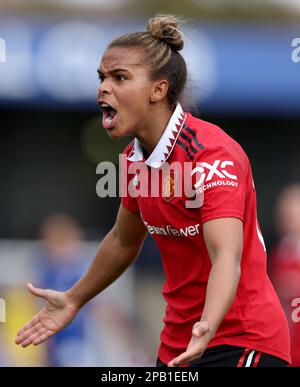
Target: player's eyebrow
[[112, 71]]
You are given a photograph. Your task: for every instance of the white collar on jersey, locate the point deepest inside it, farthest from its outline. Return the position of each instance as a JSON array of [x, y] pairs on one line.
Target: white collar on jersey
[[166, 143]]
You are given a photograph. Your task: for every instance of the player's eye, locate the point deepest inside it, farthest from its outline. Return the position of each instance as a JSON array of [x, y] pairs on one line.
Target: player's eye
[[120, 77], [101, 78]]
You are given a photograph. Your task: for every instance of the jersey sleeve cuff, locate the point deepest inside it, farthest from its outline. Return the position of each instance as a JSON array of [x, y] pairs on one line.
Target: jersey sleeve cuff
[[223, 214], [130, 207]]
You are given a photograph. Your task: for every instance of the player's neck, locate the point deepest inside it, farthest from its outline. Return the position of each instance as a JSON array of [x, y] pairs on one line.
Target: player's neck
[[154, 129]]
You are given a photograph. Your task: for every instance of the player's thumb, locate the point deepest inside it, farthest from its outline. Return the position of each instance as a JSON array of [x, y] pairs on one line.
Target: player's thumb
[[37, 291]]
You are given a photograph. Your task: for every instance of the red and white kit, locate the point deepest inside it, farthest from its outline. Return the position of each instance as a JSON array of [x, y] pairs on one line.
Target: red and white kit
[[225, 184]]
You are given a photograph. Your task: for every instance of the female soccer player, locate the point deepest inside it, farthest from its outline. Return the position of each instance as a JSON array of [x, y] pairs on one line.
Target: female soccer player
[[221, 307]]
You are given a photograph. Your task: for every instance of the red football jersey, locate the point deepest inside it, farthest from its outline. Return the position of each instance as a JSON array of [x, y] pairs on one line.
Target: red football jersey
[[221, 173]]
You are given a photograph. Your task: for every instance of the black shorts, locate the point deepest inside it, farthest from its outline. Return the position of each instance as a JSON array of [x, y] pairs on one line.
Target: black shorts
[[231, 356]]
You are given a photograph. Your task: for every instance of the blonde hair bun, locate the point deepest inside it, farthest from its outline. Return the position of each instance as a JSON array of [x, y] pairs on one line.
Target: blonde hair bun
[[166, 28]]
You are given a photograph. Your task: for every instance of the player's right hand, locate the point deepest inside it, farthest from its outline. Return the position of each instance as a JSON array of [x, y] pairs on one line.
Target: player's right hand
[[57, 313]]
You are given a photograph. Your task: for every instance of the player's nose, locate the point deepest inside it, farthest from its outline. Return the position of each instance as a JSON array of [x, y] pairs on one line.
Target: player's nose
[[104, 88]]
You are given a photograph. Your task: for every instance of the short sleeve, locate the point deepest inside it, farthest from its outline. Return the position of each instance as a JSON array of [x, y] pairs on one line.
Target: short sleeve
[[222, 182], [129, 202]]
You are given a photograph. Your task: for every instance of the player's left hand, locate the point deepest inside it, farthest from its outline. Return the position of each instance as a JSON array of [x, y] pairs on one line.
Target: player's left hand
[[201, 335]]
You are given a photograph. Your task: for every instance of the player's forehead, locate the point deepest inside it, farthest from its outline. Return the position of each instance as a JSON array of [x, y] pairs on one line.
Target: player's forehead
[[127, 58]]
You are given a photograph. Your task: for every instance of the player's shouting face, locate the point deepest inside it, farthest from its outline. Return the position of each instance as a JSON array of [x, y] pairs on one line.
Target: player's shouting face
[[125, 92]]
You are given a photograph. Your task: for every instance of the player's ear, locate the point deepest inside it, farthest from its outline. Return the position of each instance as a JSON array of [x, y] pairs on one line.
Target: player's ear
[[159, 90]]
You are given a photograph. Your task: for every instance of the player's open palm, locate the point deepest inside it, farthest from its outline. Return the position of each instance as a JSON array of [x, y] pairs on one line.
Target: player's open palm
[[57, 313], [201, 336]]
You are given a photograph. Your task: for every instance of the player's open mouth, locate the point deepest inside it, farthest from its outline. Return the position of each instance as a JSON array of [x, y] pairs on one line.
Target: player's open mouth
[[109, 115]]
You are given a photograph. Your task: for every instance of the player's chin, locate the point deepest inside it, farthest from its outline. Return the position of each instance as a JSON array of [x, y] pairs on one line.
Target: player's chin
[[116, 132]]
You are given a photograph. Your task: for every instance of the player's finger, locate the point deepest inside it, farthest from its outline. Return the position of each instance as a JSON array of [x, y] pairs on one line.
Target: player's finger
[[178, 362], [43, 337], [181, 359], [37, 291], [26, 333], [29, 325], [30, 339], [33, 325], [34, 328], [185, 357]]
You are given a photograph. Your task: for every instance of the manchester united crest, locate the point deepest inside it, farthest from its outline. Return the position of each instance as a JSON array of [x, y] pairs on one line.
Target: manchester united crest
[[168, 187]]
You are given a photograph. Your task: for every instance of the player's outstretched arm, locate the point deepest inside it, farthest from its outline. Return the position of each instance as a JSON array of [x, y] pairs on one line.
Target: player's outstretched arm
[[116, 252]]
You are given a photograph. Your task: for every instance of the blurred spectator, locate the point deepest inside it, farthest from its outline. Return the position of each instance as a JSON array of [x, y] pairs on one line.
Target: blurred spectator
[[104, 332], [60, 264], [285, 260]]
